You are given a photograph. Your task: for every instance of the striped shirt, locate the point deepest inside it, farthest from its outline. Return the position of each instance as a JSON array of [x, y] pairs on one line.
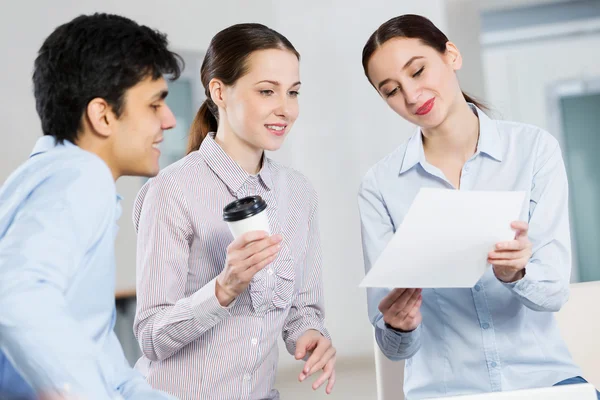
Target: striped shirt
[[193, 347]]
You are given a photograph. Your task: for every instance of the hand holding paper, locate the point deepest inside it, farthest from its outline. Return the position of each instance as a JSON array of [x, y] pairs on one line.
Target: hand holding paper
[[401, 309], [445, 239], [510, 258]]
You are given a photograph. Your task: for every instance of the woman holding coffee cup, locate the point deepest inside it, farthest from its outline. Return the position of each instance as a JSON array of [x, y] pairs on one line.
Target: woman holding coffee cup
[[501, 334], [211, 306]]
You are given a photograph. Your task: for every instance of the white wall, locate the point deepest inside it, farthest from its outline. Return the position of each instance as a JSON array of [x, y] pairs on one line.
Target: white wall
[[463, 27], [519, 75], [489, 5], [344, 126]]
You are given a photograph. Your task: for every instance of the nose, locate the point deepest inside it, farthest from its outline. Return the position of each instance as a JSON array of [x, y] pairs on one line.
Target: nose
[[286, 108], [168, 120], [412, 92]]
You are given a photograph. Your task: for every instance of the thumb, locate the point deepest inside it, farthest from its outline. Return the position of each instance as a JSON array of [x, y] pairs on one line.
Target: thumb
[[521, 228], [521, 234], [301, 346]]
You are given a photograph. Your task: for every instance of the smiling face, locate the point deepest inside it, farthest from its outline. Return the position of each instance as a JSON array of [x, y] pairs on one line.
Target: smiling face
[[262, 105], [139, 129], [417, 81]]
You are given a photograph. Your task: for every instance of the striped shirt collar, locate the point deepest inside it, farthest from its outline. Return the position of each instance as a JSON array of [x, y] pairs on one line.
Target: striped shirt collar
[[489, 142], [229, 171]]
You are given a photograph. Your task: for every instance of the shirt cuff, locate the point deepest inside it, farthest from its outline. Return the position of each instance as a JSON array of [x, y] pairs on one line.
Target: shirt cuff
[[316, 325], [396, 338], [526, 286], [206, 306]]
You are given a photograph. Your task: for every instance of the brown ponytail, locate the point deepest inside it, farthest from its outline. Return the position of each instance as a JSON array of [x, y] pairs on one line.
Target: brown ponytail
[[226, 60], [478, 104], [204, 122]]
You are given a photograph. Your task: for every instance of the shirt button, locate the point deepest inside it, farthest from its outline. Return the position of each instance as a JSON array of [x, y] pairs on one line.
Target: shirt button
[[270, 271], [477, 288], [254, 341], [494, 365], [485, 325], [246, 377]]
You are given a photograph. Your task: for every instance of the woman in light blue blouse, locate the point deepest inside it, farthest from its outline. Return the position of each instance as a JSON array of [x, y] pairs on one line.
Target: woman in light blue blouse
[[501, 334]]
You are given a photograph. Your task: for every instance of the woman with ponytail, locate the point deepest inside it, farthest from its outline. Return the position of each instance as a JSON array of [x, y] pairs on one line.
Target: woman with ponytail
[[210, 308], [204, 123], [501, 334]]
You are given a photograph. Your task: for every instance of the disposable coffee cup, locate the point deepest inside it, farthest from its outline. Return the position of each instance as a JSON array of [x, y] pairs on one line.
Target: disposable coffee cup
[[246, 215]]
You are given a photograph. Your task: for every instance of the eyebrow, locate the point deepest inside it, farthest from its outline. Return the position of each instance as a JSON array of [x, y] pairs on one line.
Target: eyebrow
[[383, 82], [160, 95], [275, 83]]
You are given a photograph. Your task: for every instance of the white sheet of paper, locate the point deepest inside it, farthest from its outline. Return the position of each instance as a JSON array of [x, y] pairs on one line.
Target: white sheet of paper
[[445, 238]]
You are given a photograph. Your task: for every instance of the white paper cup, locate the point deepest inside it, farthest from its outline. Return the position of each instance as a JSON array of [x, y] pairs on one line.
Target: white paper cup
[[246, 215]]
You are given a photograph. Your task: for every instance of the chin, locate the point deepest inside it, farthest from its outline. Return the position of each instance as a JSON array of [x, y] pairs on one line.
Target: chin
[[150, 172], [153, 172], [432, 122], [272, 143], [272, 147]]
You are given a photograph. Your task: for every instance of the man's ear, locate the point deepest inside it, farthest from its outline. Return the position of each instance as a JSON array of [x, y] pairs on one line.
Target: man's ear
[[100, 117]]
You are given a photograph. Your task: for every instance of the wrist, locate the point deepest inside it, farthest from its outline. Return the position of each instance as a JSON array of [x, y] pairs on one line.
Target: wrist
[[224, 297], [400, 330], [511, 277]]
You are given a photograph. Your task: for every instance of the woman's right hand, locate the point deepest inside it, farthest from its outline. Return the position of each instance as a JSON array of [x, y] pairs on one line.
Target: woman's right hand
[[401, 309], [246, 255]]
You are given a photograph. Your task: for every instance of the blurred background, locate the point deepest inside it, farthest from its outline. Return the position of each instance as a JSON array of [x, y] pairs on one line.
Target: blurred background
[[533, 61]]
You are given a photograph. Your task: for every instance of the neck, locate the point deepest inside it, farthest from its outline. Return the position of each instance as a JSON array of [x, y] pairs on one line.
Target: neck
[[247, 156], [456, 137], [100, 148]]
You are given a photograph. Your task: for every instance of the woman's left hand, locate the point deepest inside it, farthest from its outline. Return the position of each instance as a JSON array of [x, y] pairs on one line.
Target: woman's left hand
[[509, 259], [322, 358]]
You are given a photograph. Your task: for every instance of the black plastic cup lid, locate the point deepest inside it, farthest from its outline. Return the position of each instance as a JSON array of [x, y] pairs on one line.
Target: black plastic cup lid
[[243, 208]]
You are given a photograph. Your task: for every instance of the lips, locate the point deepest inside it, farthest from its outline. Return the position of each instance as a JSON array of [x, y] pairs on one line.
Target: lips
[[276, 129], [155, 145], [426, 107]]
